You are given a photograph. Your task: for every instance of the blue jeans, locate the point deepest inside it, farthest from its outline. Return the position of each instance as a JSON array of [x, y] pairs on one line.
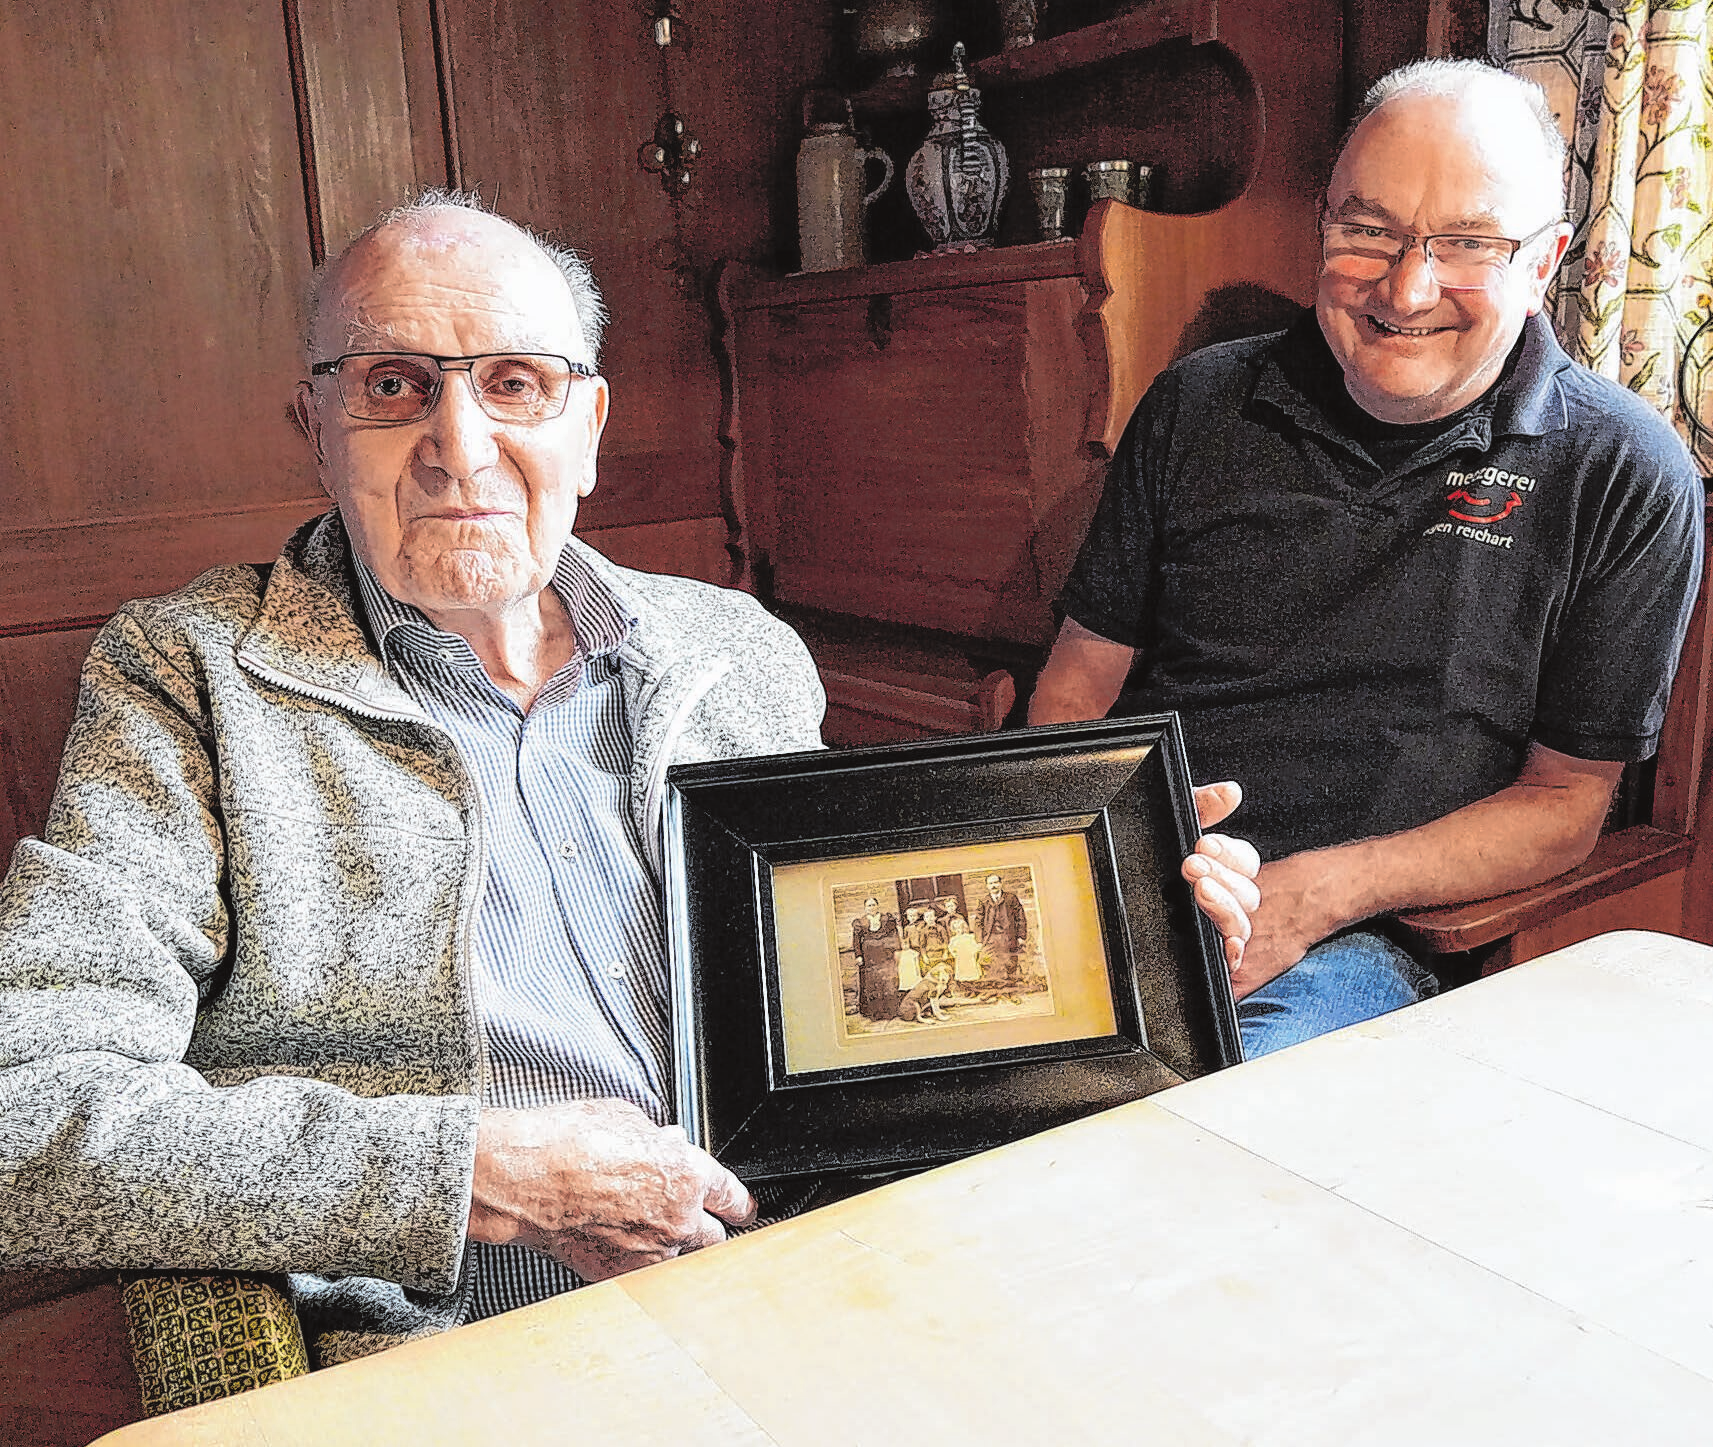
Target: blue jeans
[[1342, 980]]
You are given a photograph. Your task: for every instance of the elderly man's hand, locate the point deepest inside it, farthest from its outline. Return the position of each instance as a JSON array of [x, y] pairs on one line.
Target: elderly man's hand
[[598, 1186], [1222, 871]]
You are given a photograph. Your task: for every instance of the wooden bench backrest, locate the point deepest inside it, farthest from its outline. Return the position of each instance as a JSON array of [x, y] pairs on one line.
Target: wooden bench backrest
[[1682, 765], [38, 695]]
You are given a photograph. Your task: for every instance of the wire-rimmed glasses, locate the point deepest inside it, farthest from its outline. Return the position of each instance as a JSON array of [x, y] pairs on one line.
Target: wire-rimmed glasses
[[517, 387], [1460, 261]]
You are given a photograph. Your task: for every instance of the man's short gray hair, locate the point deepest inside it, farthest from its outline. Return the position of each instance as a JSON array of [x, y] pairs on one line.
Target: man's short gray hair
[[1459, 78], [585, 295]]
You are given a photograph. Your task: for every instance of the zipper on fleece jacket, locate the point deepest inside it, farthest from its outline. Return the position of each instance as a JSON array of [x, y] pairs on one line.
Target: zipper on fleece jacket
[[473, 807], [653, 806]]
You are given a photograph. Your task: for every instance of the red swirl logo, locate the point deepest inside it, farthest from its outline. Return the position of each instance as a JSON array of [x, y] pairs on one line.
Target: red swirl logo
[[1484, 507]]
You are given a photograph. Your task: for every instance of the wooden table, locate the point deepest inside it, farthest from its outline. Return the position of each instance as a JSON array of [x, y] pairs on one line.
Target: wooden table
[[1488, 1219]]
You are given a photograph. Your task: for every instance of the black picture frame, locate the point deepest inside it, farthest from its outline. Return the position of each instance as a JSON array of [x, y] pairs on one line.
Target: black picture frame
[[1120, 785]]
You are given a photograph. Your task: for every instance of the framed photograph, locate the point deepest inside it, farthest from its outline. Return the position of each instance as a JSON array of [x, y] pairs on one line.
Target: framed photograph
[[891, 957]]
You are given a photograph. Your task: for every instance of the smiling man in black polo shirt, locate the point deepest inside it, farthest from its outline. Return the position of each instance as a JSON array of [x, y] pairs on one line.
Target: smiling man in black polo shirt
[[1409, 573]]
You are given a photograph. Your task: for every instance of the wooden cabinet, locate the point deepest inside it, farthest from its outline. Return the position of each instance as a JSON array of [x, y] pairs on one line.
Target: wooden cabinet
[[907, 432], [915, 447]]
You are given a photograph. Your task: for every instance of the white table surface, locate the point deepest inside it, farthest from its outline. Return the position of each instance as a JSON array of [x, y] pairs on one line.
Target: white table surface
[[1486, 1219]]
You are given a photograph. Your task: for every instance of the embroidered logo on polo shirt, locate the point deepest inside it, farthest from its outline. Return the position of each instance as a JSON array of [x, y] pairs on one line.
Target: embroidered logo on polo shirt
[[1480, 505], [1474, 500]]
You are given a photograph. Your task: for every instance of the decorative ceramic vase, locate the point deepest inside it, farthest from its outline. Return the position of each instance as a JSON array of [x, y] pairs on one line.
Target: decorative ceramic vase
[[833, 194], [1142, 192], [957, 179]]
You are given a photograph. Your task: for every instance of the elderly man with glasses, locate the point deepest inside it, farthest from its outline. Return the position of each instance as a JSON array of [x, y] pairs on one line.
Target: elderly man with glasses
[[342, 953], [1413, 578]]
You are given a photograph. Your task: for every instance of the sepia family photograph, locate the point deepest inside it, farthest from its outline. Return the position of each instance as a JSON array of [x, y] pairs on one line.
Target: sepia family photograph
[[924, 954], [932, 950]]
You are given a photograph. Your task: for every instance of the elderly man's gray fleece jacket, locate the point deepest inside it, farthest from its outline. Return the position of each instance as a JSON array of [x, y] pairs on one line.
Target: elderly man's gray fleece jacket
[[236, 1024]]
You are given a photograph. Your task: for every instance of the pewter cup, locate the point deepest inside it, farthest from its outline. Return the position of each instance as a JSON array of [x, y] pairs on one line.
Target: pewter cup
[[1050, 186], [1017, 22], [1143, 188], [1111, 181]]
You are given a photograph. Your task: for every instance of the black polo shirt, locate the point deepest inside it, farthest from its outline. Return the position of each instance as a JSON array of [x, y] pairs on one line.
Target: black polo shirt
[[1367, 647]]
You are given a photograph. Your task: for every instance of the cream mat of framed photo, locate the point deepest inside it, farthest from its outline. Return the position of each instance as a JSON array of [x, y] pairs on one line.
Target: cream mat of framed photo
[[1063, 986]]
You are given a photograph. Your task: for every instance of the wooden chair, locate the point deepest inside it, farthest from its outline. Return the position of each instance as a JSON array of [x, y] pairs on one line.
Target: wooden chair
[[86, 1352], [869, 710], [83, 1352], [1652, 875]]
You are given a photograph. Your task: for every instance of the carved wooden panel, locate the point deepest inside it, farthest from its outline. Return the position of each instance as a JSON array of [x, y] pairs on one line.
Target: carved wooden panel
[[155, 253], [911, 444], [372, 98]]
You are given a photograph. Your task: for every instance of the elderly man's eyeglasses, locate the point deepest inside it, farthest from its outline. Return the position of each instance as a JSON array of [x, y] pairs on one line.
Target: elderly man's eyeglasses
[[1362, 252], [518, 387]]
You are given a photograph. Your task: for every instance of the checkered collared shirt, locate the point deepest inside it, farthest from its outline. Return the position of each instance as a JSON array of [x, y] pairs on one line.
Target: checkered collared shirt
[[568, 956]]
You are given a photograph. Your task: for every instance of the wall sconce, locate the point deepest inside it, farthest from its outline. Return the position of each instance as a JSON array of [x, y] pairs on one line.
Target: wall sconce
[[671, 155]]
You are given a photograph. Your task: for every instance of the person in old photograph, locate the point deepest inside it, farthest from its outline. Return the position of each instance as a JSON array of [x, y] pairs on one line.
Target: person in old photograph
[[1001, 929], [910, 957], [965, 951], [934, 937], [952, 914], [876, 941]]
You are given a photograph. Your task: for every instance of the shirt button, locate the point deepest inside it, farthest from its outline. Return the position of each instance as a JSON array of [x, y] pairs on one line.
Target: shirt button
[[568, 849], [616, 969]]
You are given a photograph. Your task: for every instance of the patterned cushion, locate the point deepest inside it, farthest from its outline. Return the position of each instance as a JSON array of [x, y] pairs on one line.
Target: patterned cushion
[[195, 1338]]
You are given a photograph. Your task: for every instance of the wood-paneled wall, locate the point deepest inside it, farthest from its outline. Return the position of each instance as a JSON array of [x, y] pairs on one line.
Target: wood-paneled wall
[[154, 253], [176, 171], [549, 111]]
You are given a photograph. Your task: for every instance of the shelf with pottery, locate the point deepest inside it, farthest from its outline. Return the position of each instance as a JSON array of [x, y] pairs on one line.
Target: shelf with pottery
[[1169, 88], [1151, 23], [1033, 261], [916, 446]]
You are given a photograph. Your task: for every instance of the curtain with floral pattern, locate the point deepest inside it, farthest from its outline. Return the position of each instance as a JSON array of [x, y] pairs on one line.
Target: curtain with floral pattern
[[1631, 82]]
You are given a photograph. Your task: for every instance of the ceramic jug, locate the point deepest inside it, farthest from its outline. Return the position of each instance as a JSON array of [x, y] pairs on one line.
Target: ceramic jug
[[831, 193], [957, 179]]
